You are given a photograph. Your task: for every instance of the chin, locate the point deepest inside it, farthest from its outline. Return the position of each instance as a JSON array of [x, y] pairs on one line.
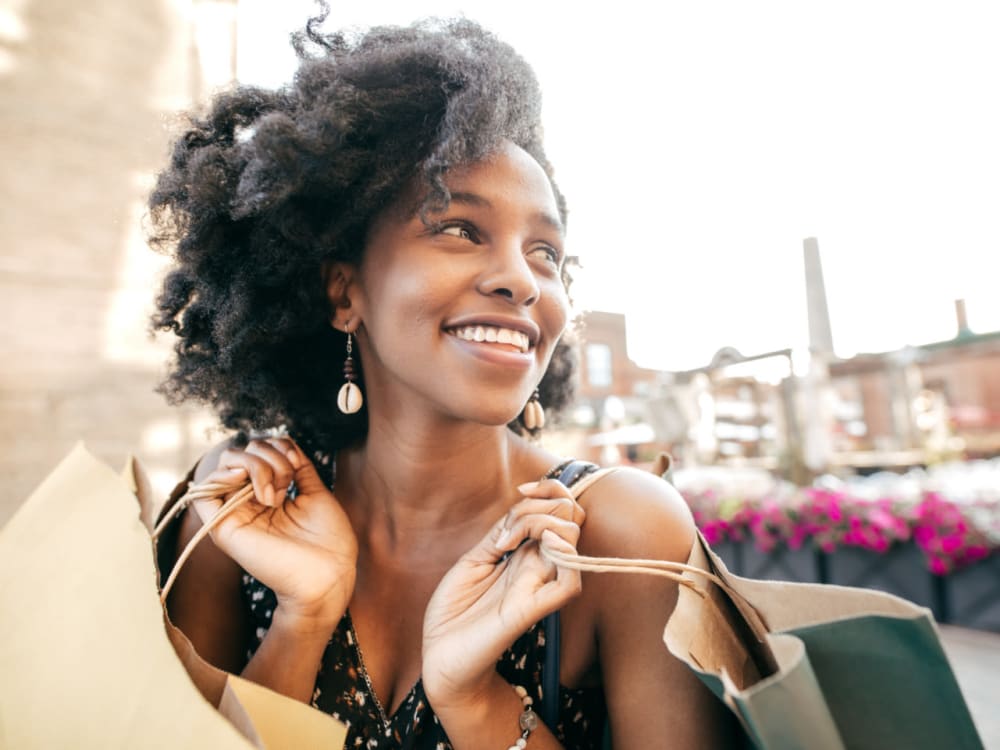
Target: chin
[[496, 418]]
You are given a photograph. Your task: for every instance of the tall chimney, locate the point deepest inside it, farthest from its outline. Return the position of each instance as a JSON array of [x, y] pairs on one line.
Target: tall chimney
[[962, 318], [820, 335]]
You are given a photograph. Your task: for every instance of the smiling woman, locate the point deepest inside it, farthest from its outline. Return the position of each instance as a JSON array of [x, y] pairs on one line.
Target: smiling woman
[[389, 222]]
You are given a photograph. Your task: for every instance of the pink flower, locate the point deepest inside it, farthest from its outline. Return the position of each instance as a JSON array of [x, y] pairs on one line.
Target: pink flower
[[951, 543], [937, 566], [976, 552]]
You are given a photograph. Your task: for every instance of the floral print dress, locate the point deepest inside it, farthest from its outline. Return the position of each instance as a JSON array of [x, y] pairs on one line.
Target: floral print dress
[[344, 690]]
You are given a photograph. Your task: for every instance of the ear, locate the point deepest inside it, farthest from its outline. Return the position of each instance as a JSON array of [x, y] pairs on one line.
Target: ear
[[341, 290]]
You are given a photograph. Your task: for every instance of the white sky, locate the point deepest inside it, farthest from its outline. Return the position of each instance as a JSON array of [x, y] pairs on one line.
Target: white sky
[[699, 143]]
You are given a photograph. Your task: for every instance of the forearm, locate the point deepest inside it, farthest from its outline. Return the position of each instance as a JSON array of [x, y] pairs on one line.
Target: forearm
[[491, 722], [289, 657]]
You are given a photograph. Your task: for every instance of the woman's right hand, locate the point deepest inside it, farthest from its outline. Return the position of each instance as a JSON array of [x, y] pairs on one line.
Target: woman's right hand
[[304, 549]]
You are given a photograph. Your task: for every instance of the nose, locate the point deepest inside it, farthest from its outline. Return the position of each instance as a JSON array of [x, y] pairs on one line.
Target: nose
[[509, 276]]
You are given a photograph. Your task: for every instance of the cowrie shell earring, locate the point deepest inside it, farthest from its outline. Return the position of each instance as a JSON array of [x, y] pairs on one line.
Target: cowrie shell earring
[[533, 415], [349, 399]]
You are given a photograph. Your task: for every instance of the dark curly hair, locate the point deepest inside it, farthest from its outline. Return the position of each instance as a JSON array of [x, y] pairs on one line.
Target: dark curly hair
[[270, 186]]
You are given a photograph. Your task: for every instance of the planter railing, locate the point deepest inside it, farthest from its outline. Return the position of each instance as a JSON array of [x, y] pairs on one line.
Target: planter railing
[[968, 596]]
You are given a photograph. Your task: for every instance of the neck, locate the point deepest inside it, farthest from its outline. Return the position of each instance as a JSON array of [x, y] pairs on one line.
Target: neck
[[413, 487]]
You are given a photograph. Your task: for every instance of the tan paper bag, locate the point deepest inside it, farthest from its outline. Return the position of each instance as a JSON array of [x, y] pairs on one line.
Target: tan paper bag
[[818, 666], [85, 657]]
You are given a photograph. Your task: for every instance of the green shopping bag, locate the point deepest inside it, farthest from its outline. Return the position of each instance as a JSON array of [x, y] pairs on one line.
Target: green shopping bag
[[818, 666], [807, 666]]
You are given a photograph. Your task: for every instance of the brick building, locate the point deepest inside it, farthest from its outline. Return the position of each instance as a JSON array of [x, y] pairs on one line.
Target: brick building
[[887, 410], [940, 399]]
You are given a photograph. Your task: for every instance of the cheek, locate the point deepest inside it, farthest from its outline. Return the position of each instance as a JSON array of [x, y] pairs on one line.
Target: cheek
[[555, 308], [405, 298]]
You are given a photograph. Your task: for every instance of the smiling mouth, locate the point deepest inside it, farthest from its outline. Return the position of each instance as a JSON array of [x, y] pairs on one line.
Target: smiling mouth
[[493, 335]]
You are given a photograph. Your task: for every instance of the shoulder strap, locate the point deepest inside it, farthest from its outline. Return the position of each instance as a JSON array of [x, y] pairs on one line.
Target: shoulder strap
[[577, 475]]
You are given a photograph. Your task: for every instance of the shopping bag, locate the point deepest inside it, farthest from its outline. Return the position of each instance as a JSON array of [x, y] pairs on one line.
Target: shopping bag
[[807, 666], [87, 657], [818, 666]]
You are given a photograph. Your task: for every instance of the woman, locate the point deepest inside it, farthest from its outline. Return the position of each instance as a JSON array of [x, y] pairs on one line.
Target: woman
[[386, 231]]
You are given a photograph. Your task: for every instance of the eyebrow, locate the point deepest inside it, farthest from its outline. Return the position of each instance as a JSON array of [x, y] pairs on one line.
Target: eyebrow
[[472, 199]]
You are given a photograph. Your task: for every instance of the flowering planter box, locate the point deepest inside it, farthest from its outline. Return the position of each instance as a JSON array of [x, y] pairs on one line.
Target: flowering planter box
[[971, 596], [941, 553], [731, 554], [782, 563], [900, 570]]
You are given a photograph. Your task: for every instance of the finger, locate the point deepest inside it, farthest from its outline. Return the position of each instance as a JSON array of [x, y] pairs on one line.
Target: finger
[[561, 507], [545, 488], [282, 470], [551, 488], [288, 448], [260, 471], [567, 582], [306, 476], [531, 527]]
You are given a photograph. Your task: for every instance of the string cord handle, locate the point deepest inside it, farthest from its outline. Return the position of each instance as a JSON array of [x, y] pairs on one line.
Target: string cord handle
[[242, 493]]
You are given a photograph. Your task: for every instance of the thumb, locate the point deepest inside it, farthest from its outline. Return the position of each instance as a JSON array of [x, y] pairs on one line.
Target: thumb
[[306, 476]]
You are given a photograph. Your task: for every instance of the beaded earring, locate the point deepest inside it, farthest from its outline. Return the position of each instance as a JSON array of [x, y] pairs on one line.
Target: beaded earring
[[533, 415], [349, 399]]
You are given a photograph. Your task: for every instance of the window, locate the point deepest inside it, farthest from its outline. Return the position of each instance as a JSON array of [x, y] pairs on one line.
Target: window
[[598, 365]]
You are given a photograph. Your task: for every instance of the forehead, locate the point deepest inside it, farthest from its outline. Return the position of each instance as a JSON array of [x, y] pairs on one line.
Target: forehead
[[509, 179], [509, 176]]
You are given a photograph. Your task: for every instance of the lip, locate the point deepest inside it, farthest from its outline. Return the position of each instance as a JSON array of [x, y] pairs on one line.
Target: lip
[[523, 325], [494, 355]]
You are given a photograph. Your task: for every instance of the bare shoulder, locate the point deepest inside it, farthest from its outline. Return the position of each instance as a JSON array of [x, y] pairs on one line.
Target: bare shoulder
[[208, 462], [634, 513]]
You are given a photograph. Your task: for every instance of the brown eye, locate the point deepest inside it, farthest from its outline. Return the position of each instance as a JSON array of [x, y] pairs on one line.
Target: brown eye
[[547, 253], [458, 230]]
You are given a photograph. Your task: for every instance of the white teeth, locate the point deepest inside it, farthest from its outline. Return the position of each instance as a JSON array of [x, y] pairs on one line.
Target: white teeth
[[494, 335]]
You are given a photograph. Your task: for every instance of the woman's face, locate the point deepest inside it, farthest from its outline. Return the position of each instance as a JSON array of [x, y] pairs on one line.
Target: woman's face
[[462, 316]]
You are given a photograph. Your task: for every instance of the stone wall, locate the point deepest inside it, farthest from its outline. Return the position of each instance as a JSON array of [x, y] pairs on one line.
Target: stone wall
[[86, 96]]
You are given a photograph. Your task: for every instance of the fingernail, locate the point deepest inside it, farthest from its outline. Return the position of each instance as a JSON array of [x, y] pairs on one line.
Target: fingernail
[[526, 487], [502, 539], [293, 459], [236, 470]]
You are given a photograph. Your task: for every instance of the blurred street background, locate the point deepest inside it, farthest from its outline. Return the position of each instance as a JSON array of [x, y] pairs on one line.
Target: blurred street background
[[787, 219]]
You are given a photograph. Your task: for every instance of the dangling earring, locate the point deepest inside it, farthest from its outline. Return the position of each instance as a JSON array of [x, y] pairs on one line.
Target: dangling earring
[[533, 415], [349, 399]]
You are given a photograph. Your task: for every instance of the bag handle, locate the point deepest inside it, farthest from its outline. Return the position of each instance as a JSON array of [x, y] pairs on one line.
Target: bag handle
[[201, 491], [674, 571], [243, 492]]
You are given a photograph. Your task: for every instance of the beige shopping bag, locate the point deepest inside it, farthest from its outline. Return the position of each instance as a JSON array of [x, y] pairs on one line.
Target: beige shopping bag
[[807, 666], [86, 656], [818, 666]]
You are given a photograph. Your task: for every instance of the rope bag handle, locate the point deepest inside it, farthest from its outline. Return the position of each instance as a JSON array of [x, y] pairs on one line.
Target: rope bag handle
[[242, 492]]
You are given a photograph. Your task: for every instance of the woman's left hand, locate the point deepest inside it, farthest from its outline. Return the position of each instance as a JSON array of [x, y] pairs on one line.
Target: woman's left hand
[[486, 601]]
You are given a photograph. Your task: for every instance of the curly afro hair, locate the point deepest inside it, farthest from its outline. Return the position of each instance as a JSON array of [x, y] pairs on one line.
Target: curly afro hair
[[270, 186]]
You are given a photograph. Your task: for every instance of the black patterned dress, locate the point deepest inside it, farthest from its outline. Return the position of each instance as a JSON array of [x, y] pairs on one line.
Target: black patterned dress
[[344, 690]]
